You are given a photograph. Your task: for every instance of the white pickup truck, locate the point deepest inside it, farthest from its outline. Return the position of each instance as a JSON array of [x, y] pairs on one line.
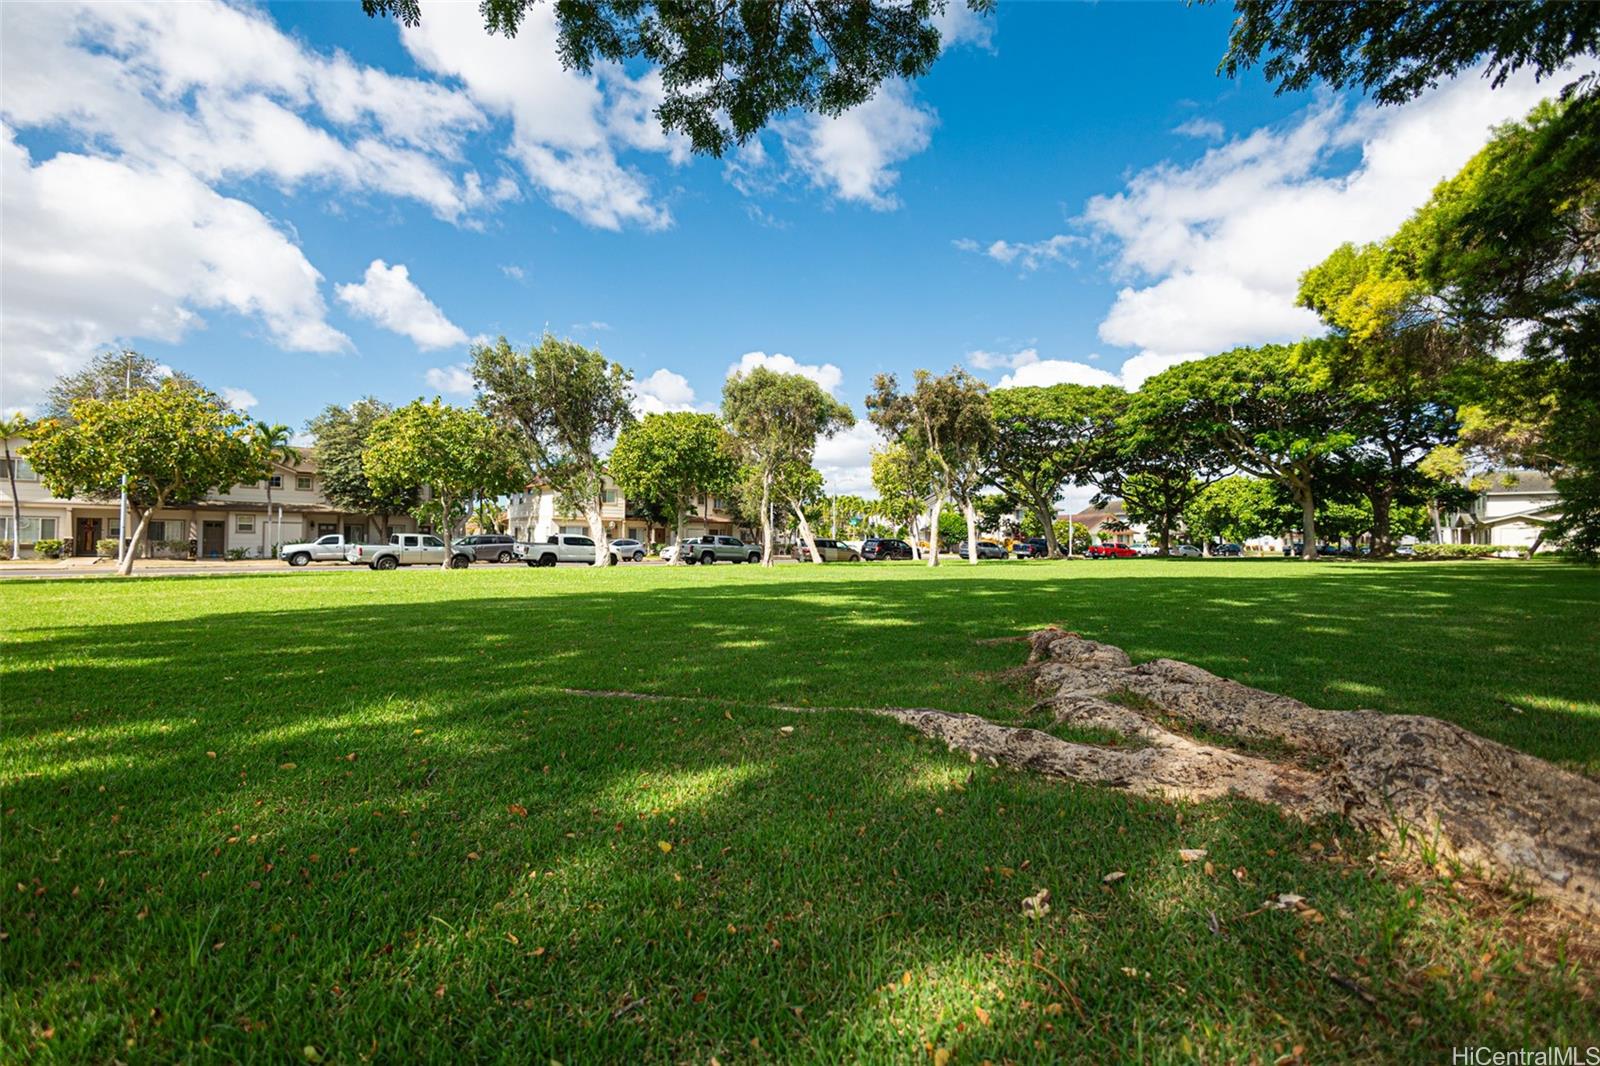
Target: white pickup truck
[[560, 548], [328, 549], [407, 549]]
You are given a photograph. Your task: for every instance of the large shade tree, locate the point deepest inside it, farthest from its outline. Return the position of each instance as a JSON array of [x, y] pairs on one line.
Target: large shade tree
[[728, 68], [172, 444], [456, 453], [340, 434], [668, 460], [1048, 436], [110, 374], [565, 404], [774, 421], [900, 477]]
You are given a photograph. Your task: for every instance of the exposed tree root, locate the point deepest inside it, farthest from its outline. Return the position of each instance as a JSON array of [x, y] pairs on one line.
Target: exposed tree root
[[1411, 779]]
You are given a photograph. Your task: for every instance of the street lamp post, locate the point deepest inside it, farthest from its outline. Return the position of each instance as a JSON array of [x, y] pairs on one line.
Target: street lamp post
[[122, 508]]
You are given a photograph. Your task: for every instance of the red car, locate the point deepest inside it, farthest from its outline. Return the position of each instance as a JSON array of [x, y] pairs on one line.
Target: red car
[[1110, 551]]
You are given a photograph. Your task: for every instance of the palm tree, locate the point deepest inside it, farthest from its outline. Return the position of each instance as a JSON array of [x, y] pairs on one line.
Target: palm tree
[[271, 444], [15, 426]]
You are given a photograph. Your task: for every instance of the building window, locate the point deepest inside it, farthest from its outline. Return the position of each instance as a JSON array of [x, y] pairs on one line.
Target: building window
[[276, 481], [574, 531], [245, 523], [167, 529], [23, 471], [302, 482], [32, 529], [611, 495]]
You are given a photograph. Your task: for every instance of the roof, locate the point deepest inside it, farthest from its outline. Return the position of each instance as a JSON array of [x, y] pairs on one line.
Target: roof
[[1518, 482]]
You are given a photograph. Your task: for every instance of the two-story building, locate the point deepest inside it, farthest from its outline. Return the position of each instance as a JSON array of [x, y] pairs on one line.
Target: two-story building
[[539, 513], [1511, 511], [235, 520]]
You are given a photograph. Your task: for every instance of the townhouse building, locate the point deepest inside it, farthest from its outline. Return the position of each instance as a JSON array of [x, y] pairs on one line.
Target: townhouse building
[[209, 528], [1511, 512], [538, 513]]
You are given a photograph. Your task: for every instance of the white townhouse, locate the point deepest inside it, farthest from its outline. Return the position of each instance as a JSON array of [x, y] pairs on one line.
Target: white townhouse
[[235, 520], [538, 513], [1512, 512]]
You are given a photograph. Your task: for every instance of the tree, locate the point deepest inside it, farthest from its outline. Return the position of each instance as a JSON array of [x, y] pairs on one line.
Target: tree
[[340, 435], [18, 425], [1397, 51], [1233, 509], [1264, 411], [902, 482], [109, 375], [727, 69], [669, 459], [455, 452], [774, 421], [1047, 437], [564, 402], [1160, 464], [271, 445], [945, 423], [172, 443]]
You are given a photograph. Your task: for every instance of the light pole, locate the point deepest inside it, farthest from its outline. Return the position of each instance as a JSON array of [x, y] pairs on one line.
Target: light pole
[[122, 509]]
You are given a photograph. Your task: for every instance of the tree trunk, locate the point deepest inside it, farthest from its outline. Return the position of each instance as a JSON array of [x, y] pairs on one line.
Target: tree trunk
[[126, 566], [1382, 523], [805, 532], [766, 521], [916, 549], [677, 551], [972, 531], [935, 507], [1048, 519], [1166, 535], [1308, 521], [16, 505], [597, 533], [444, 510]]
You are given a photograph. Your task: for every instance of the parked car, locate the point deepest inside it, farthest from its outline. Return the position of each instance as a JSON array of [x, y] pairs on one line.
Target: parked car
[[987, 549], [628, 548], [500, 547], [559, 548], [1405, 550], [1187, 551], [831, 551], [1110, 551], [885, 548], [407, 549], [1293, 549], [719, 549], [1032, 548], [1227, 549], [328, 549]]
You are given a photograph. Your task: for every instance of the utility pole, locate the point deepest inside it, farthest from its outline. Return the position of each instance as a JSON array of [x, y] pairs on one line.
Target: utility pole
[[122, 510]]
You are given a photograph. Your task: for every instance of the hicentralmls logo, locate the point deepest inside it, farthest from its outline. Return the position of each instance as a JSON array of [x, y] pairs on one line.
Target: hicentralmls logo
[[1544, 1056]]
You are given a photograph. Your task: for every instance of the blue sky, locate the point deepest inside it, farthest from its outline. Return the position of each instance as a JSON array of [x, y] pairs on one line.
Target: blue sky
[[302, 206]]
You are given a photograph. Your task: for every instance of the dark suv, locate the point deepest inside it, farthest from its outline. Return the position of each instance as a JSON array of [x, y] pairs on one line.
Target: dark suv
[[884, 548], [1032, 548], [496, 547]]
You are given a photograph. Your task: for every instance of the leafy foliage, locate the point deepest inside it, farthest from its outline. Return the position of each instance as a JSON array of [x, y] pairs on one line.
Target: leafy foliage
[[727, 69], [341, 435], [667, 460], [109, 375]]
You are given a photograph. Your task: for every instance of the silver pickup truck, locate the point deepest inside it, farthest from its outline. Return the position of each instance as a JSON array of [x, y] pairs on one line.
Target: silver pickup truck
[[711, 549], [560, 548], [407, 549], [328, 549]]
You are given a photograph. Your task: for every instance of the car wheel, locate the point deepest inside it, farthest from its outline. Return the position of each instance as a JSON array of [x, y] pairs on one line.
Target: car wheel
[[547, 560], [638, 557], [299, 559], [459, 562], [503, 557], [708, 558], [854, 558], [388, 562]]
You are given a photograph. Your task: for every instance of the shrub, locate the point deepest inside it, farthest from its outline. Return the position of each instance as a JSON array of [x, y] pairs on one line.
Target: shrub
[[106, 547], [235, 554], [1456, 551], [48, 546]]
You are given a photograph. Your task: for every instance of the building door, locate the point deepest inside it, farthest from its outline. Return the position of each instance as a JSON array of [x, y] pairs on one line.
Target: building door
[[212, 535], [88, 533], [354, 532]]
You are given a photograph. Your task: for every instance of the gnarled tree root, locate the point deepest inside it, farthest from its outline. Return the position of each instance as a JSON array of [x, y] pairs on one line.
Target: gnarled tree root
[[1400, 776]]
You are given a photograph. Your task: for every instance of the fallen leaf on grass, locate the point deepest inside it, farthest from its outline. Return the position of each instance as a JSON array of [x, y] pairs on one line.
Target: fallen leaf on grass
[[786, 730], [286, 766], [1038, 904], [517, 809], [983, 1015], [1191, 854], [1113, 877], [664, 845]]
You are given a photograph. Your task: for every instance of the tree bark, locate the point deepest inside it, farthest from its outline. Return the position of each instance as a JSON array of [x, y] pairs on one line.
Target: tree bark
[[677, 551], [1308, 521], [935, 507], [597, 533], [766, 521], [972, 531], [16, 505], [131, 552], [444, 511], [1382, 523], [1048, 519], [805, 533], [916, 549]]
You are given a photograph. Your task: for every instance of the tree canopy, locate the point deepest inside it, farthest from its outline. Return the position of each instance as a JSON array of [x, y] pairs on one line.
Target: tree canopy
[[110, 374], [727, 69], [669, 459], [341, 435]]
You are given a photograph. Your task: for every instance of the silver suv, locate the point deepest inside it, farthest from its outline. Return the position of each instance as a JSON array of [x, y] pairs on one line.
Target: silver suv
[[499, 547]]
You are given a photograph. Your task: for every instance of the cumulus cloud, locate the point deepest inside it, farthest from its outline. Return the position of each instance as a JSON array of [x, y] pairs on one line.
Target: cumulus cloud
[[1028, 369], [238, 399], [845, 459], [387, 295], [1212, 250], [454, 380], [853, 155], [1029, 255], [985, 360], [1204, 129], [97, 250], [1058, 372], [661, 392], [825, 374]]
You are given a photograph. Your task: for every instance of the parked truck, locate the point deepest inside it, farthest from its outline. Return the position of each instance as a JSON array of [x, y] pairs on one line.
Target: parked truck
[[719, 549], [328, 549], [559, 548], [407, 549]]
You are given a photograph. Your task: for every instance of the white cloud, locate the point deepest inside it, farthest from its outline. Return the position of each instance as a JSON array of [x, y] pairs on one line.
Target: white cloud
[[959, 24], [389, 297], [1029, 255], [97, 250], [1213, 249], [1204, 129], [238, 399], [565, 125], [853, 154], [514, 272], [825, 374], [1057, 372], [455, 380], [661, 392], [984, 360], [845, 459]]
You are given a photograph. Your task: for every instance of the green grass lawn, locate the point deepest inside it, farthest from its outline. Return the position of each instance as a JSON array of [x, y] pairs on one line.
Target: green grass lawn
[[353, 816]]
